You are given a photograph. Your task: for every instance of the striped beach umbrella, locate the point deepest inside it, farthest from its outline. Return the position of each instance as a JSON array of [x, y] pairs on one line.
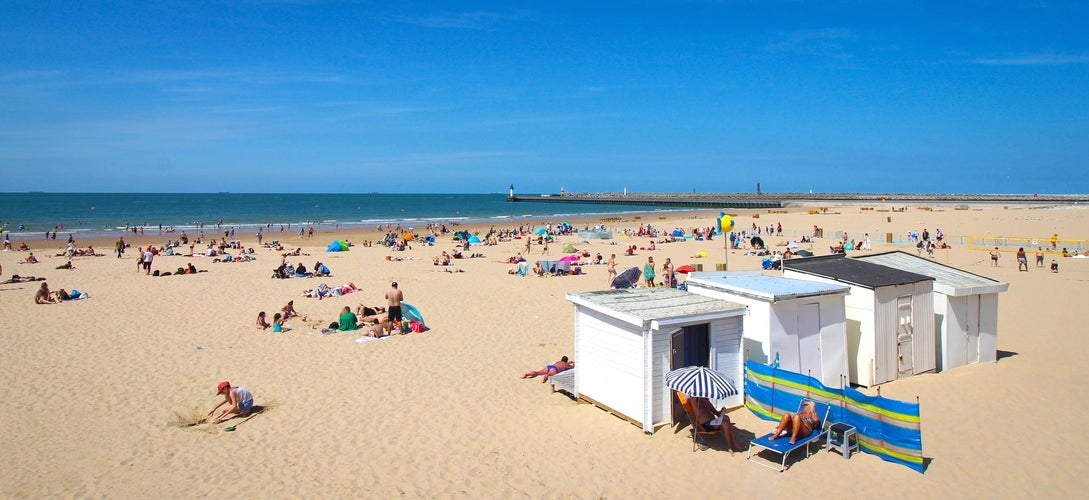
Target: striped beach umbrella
[[700, 382]]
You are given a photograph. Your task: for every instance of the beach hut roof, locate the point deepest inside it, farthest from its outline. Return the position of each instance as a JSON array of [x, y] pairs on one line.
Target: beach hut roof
[[853, 271], [948, 280], [656, 307], [765, 288]]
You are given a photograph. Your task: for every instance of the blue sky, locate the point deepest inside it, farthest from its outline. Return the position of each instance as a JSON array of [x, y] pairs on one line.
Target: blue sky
[[314, 96]]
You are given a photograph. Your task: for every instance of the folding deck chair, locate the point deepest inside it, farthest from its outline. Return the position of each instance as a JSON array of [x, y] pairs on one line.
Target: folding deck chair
[[782, 444], [699, 434]]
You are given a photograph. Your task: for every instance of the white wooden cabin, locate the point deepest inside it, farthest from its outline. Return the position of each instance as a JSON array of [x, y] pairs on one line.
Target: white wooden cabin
[[965, 308], [890, 316], [800, 323], [626, 341]]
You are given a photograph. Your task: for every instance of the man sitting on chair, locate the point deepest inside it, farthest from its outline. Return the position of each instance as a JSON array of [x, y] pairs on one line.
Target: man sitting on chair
[[710, 420], [801, 424]]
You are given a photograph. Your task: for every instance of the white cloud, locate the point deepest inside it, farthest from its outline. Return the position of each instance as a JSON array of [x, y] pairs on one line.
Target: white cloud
[[463, 20], [1035, 60]]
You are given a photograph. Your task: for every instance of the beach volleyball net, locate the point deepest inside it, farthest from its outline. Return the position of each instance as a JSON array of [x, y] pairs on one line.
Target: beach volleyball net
[[1013, 243]]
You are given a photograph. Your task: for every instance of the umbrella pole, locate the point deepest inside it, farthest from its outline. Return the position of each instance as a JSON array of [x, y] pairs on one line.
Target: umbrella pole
[[726, 244]]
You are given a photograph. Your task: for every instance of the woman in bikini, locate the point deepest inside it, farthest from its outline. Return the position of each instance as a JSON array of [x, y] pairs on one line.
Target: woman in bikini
[[801, 424], [365, 312], [560, 366]]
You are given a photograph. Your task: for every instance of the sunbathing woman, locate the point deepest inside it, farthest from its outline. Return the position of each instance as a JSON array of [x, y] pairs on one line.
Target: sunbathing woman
[[560, 366], [801, 424], [377, 330], [365, 312]]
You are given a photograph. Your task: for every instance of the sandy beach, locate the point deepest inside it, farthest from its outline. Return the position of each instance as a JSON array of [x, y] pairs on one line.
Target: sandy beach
[[97, 393]]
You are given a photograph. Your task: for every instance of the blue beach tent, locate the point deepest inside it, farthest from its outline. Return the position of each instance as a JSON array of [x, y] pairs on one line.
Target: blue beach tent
[[410, 313], [337, 246]]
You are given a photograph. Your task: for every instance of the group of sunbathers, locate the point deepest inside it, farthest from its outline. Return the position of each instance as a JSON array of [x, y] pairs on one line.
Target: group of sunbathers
[[46, 296], [286, 270], [372, 321], [279, 320]]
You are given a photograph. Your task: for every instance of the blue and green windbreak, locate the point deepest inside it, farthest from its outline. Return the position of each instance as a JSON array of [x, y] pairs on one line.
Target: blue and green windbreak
[[886, 427]]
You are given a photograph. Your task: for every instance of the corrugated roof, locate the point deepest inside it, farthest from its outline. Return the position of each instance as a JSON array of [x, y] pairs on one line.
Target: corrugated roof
[[948, 280], [650, 304], [853, 271], [768, 288]]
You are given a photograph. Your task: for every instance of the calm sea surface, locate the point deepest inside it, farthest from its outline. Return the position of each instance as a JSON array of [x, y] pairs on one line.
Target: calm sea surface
[[105, 214]]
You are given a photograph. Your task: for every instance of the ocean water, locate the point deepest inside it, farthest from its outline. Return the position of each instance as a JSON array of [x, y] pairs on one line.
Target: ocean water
[[30, 215]]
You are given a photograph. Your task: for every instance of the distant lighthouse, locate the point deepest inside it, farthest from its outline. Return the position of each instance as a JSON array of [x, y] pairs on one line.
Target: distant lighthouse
[[512, 191]]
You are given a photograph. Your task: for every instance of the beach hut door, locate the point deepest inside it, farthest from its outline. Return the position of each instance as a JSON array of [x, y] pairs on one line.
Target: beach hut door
[[809, 340], [676, 360], [904, 334], [971, 352]]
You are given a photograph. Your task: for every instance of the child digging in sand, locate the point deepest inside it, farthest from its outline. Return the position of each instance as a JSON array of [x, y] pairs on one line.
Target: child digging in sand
[[239, 399]]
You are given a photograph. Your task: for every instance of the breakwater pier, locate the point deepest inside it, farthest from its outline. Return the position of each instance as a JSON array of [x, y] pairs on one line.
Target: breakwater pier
[[784, 200]]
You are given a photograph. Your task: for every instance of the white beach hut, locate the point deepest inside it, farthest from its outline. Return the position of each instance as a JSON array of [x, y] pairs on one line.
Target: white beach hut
[[890, 316], [800, 323], [626, 341], [965, 308]]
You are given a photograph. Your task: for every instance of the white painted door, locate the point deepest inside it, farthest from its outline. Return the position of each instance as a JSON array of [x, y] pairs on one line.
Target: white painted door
[[809, 340], [971, 331], [676, 360], [904, 334]]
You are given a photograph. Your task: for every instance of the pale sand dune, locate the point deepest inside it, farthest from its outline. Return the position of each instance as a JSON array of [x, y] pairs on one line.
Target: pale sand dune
[[93, 390]]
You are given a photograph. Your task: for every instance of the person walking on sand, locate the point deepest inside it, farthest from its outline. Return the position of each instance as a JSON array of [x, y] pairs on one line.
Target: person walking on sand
[[994, 257], [1039, 256], [120, 246], [149, 256], [1022, 260], [394, 297], [239, 399], [612, 268]]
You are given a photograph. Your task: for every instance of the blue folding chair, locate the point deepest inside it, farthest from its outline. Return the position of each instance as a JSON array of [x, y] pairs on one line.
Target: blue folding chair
[[782, 444]]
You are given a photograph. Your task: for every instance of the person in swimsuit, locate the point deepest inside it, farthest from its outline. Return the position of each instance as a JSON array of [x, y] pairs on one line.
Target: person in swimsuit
[[44, 295], [239, 399], [394, 297], [707, 415], [289, 310], [560, 366], [801, 424], [612, 267], [261, 322]]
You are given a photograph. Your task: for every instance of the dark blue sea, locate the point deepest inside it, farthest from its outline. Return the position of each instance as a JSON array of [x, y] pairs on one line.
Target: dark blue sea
[[106, 214]]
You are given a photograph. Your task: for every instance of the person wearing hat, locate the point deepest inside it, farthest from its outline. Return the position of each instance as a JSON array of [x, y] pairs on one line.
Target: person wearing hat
[[394, 296], [240, 400]]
